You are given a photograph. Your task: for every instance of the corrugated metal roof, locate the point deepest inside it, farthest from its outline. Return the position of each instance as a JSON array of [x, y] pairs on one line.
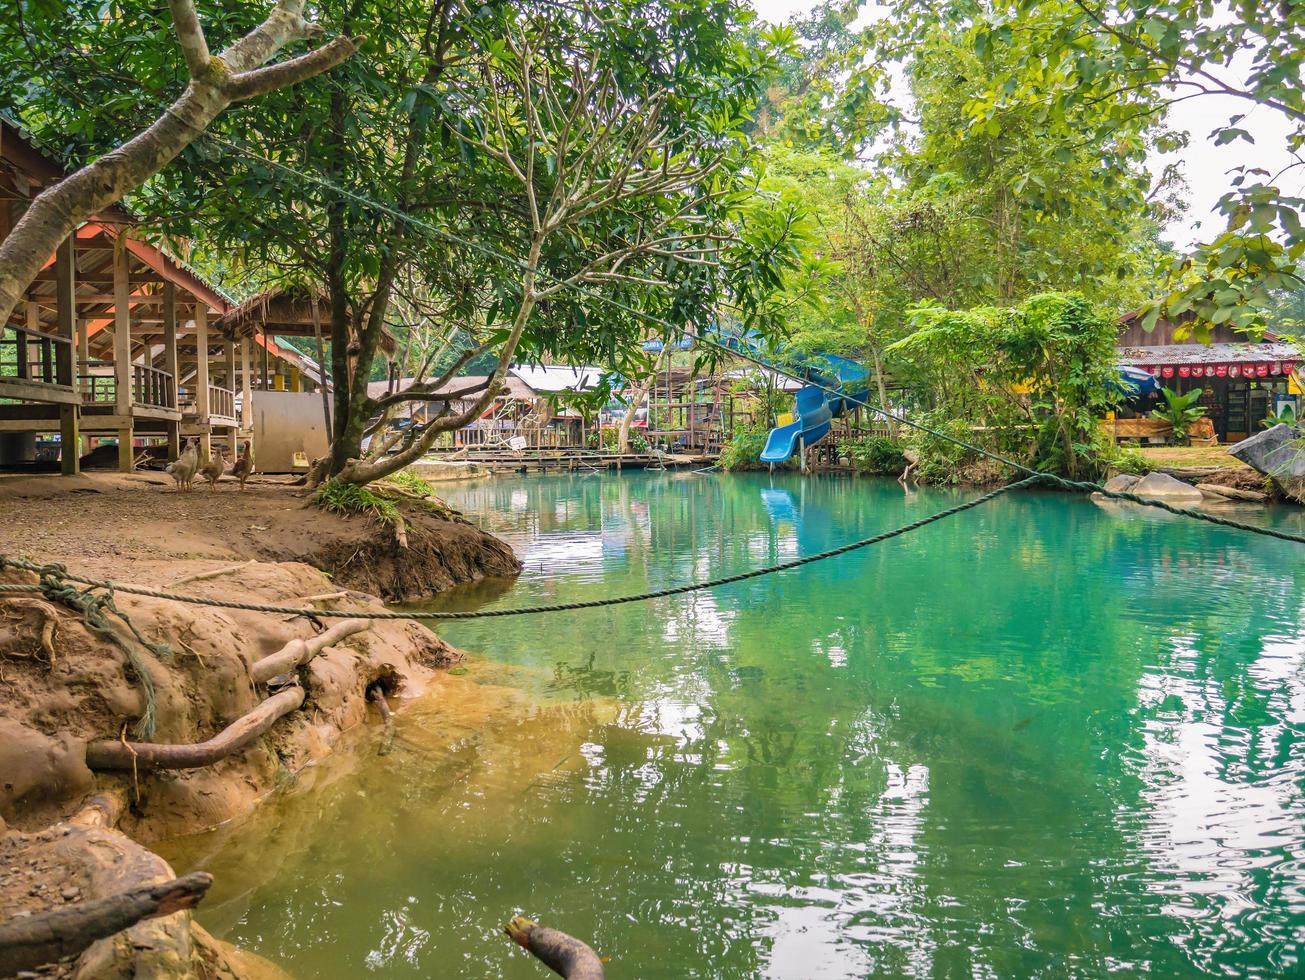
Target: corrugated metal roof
[[554, 378], [1248, 353]]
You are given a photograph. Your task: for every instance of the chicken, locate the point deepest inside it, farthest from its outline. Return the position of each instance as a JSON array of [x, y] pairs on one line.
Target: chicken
[[243, 466], [183, 468], [213, 469]]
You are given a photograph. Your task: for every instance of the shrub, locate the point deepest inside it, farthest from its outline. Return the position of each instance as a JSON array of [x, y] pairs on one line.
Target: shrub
[[1130, 461], [743, 452], [874, 455]]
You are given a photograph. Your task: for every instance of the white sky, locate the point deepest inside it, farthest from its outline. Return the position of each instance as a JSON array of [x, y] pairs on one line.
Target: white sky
[[1204, 165]]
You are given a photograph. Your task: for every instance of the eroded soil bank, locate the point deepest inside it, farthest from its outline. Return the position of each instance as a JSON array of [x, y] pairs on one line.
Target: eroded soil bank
[[63, 683]]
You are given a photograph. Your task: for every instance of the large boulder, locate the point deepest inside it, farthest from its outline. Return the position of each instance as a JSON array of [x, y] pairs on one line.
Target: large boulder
[[1162, 486], [1279, 453]]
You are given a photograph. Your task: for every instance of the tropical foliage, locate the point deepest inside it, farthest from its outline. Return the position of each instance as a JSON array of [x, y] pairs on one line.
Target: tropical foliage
[[1028, 382], [1180, 411]]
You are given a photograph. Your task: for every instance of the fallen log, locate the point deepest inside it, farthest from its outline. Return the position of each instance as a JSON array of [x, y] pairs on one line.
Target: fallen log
[[32, 941], [1232, 493], [298, 652], [111, 754], [563, 954]]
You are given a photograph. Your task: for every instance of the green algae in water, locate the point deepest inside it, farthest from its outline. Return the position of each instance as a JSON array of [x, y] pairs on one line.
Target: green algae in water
[[1042, 738]]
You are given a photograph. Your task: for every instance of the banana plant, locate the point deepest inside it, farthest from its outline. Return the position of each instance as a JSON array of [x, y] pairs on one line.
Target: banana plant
[[1180, 411]]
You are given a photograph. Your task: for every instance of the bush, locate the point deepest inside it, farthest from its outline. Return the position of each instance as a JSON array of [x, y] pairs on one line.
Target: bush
[[1130, 461], [743, 452], [874, 455], [609, 440]]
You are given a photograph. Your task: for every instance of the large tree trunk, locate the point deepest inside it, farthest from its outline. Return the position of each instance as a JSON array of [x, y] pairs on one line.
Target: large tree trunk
[[216, 82]]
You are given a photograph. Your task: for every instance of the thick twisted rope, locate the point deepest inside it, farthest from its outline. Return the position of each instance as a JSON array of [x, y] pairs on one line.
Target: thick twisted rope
[[55, 572]]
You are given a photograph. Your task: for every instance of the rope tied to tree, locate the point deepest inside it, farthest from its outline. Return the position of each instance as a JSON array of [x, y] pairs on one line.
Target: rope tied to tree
[[96, 604]]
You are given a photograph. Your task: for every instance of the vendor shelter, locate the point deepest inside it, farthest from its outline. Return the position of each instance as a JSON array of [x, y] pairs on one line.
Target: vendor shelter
[[1242, 382]]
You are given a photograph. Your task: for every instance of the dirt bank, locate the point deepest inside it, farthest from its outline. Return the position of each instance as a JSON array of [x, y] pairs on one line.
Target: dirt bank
[[106, 523], [188, 676]]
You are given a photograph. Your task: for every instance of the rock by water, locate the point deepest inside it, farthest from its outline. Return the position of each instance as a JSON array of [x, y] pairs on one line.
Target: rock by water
[[1279, 453]]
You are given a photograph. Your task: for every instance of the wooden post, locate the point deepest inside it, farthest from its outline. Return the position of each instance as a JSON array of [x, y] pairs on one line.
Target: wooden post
[[172, 365], [65, 302], [229, 382], [246, 390], [201, 380], [122, 400]]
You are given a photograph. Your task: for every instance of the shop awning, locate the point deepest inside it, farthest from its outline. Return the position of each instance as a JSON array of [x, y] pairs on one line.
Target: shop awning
[[1267, 360]]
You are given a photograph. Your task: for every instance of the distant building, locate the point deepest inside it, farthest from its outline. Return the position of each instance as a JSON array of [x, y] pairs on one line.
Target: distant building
[[1242, 382]]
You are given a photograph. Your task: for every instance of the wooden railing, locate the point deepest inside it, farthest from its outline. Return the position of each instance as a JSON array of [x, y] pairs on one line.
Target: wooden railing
[[28, 355], [98, 388], [221, 401], [152, 386]]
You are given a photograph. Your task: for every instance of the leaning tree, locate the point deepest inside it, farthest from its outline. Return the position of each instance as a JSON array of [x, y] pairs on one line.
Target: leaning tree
[[57, 56], [536, 180]]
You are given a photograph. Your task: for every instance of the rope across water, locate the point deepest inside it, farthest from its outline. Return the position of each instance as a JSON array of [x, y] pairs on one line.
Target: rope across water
[[53, 576]]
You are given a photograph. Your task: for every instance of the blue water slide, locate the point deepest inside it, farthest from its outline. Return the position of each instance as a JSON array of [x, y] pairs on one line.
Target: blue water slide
[[817, 404], [815, 416], [782, 442]]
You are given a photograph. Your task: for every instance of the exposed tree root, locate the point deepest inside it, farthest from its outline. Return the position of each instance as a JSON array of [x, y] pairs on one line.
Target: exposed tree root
[[563, 954], [401, 531], [212, 573], [26, 943], [109, 754], [49, 619], [296, 653]]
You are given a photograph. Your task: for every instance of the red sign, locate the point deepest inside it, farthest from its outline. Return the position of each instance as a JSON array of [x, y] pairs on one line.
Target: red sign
[[1184, 371], [1221, 370], [1261, 370], [1234, 371], [1275, 368], [1167, 371]]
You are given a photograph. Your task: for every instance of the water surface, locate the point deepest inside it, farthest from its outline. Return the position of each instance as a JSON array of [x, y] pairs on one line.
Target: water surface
[[1040, 738]]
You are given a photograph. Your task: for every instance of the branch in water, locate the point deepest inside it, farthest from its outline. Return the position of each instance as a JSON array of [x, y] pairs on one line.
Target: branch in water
[[563, 954]]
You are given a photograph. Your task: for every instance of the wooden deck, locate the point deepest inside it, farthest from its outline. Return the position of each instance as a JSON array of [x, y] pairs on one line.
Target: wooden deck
[[572, 460]]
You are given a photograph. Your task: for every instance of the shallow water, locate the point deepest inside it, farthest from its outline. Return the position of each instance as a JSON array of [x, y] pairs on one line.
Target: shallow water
[[1040, 738]]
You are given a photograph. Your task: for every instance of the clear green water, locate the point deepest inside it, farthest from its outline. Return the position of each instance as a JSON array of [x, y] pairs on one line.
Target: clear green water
[[1039, 739]]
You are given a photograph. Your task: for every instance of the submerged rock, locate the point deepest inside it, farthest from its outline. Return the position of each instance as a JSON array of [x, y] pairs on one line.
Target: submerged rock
[[1278, 453]]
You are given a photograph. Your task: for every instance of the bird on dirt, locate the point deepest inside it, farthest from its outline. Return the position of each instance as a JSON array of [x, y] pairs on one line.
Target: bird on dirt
[[213, 469], [183, 468], [243, 466]]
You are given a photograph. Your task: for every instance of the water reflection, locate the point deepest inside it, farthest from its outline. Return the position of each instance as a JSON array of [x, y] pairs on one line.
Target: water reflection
[[1040, 738]]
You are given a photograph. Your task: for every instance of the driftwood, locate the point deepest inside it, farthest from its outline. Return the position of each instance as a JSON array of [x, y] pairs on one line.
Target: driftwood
[[377, 696], [1232, 493], [111, 754], [308, 600], [298, 652], [214, 573], [563, 954], [33, 941]]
